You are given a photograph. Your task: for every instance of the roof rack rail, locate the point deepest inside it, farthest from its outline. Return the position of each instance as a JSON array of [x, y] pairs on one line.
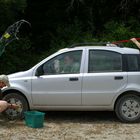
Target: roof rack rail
[[93, 43]]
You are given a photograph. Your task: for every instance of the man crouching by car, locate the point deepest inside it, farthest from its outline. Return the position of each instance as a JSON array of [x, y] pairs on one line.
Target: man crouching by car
[[4, 82]]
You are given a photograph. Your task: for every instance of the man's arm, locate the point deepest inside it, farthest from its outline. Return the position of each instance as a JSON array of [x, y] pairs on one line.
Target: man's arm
[[136, 42]]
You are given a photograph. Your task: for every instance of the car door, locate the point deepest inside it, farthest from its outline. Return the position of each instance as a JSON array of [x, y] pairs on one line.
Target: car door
[[104, 77], [59, 84]]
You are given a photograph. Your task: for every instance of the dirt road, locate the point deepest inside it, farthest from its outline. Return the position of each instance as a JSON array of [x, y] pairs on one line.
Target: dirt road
[[72, 126]]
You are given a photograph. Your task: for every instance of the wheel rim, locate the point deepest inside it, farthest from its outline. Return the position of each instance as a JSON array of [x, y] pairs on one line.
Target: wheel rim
[[14, 112], [130, 109]]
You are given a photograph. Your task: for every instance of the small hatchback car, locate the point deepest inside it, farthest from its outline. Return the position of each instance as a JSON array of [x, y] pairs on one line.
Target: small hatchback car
[[85, 78]]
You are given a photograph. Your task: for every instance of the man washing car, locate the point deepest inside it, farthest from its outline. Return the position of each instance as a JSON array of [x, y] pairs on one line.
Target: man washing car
[[4, 104]]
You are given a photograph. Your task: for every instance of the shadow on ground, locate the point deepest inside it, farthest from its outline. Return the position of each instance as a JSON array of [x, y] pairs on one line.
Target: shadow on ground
[[81, 116], [72, 117]]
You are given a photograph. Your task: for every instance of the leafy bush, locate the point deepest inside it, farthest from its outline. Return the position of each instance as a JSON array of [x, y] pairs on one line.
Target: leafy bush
[[17, 57]]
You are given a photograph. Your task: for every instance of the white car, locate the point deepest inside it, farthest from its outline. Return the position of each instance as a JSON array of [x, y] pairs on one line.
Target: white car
[[80, 78]]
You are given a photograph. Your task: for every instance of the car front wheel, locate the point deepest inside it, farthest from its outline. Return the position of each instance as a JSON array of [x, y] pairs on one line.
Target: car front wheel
[[128, 108], [15, 98]]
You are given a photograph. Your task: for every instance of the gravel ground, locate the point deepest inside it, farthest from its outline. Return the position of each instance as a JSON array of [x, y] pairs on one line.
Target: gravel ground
[[71, 126]]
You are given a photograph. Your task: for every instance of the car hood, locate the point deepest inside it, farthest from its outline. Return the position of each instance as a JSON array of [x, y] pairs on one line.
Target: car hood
[[20, 74]]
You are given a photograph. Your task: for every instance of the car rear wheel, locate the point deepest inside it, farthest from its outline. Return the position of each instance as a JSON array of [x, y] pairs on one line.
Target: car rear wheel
[[128, 108], [15, 98]]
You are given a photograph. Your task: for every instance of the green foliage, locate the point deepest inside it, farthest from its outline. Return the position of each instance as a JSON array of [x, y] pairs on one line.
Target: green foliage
[[59, 24], [73, 33], [16, 53], [68, 35], [17, 57], [19, 5], [9, 11], [117, 31]]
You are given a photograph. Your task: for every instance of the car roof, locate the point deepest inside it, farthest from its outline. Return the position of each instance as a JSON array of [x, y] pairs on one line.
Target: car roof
[[122, 50]]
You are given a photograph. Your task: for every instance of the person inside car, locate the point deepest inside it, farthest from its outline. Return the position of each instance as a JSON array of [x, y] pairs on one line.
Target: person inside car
[[70, 65]]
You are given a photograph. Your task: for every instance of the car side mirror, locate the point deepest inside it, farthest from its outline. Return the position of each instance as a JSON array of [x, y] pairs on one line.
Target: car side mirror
[[39, 71]]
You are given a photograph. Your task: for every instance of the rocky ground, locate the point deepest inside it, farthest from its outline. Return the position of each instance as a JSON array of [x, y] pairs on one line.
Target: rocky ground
[[71, 126]]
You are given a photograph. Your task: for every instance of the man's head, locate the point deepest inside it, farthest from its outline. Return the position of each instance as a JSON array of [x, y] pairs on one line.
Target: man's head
[[2, 84], [68, 59], [4, 81]]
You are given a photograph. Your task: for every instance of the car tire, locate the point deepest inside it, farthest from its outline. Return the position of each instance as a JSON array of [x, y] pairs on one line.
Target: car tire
[[15, 98], [128, 108]]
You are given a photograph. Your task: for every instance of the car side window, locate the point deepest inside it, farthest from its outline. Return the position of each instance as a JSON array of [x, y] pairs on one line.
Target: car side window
[[133, 62], [66, 63], [104, 61]]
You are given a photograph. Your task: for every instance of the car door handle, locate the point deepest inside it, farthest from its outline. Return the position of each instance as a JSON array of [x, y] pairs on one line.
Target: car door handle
[[73, 79], [118, 77]]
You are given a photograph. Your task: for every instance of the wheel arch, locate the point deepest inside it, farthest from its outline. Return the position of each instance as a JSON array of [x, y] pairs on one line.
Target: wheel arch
[[126, 93], [17, 92]]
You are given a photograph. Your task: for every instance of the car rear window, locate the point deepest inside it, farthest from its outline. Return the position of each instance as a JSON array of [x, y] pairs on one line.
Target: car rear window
[[133, 62], [104, 61]]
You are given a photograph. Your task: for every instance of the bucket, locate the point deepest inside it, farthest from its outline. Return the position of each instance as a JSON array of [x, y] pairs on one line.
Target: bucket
[[34, 119]]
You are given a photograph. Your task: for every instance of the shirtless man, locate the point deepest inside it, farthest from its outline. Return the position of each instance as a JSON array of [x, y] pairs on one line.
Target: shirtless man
[[4, 104]]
